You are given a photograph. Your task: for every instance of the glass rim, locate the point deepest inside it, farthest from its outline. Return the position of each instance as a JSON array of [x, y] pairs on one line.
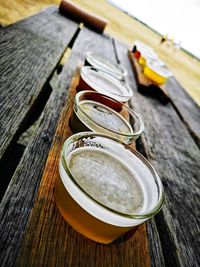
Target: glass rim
[[158, 69], [128, 94], [144, 215], [94, 58], [130, 111]]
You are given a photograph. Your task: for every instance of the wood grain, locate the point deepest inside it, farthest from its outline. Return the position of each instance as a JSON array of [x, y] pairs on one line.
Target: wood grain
[[29, 52], [172, 151], [20, 195], [187, 109], [48, 239]]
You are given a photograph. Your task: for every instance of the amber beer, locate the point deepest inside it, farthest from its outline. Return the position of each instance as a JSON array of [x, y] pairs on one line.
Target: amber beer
[[105, 188], [100, 118], [82, 221], [102, 82]]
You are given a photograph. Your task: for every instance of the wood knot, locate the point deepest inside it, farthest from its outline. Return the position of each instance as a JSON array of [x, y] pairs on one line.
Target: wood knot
[[46, 137]]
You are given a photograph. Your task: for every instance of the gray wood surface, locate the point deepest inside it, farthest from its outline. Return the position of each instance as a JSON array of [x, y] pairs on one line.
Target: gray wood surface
[[28, 59], [19, 197], [173, 152], [185, 106], [155, 246], [29, 52]]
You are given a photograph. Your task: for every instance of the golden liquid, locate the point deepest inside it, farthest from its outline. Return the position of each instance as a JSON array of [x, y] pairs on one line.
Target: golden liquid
[[106, 117], [82, 221], [100, 118]]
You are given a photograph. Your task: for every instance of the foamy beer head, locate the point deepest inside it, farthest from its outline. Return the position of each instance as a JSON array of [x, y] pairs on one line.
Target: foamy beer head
[[100, 63], [100, 113], [102, 82], [105, 187]]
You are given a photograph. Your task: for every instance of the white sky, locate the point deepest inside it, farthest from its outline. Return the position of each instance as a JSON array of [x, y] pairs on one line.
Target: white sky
[[178, 18]]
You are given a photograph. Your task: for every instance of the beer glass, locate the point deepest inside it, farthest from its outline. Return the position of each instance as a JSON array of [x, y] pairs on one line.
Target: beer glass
[[100, 113], [105, 187], [96, 61], [105, 83]]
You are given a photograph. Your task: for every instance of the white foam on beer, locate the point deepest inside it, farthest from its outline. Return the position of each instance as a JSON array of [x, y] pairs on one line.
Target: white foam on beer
[[106, 84], [106, 117], [100, 63], [107, 179]]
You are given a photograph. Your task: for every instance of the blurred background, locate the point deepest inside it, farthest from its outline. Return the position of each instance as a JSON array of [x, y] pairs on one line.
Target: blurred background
[[146, 21]]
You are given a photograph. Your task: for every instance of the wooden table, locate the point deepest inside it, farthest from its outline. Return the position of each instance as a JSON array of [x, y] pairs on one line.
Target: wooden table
[[35, 87]]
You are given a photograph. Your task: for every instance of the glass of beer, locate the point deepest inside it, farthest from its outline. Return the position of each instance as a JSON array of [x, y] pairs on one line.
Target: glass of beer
[[99, 113], [105, 187], [102, 82], [96, 61]]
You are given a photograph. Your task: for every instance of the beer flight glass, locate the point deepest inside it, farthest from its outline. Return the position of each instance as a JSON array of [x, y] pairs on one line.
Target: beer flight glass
[[94, 60], [104, 83], [105, 187], [99, 113]]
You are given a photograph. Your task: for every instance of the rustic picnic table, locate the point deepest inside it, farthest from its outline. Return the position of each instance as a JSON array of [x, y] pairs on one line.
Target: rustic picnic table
[[36, 88]]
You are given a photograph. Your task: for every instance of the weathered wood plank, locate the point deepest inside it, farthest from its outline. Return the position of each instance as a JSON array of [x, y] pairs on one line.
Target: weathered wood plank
[[48, 239], [48, 23], [155, 246], [18, 200], [176, 157], [29, 52], [187, 109], [19, 197]]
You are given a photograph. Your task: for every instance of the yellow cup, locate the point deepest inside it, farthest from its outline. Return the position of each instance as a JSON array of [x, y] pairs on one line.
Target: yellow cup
[[156, 73]]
